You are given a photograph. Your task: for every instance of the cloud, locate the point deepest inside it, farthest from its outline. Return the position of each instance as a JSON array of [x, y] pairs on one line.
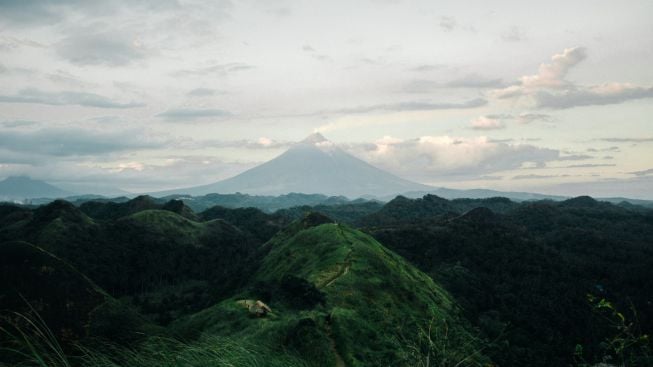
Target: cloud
[[475, 81], [549, 88], [595, 95], [11, 43], [129, 173], [633, 187], [261, 143], [321, 57], [219, 69], [421, 86], [533, 177], [28, 12], [188, 114], [486, 123], [575, 157], [204, 92], [642, 173], [549, 75], [527, 118], [76, 142], [430, 158], [514, 34], [448, 24], [32, 95], [589, 165], [280, 12], [109, 48], [628, 140], [37, 13], [411, 106], [426, 67], [308, 49], [18, 123], [609, 149]]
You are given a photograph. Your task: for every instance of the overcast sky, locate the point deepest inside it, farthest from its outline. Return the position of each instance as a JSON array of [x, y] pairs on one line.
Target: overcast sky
[[550, 96]]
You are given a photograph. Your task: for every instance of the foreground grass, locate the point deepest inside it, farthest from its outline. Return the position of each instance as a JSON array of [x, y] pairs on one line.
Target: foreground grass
[[29, 342], [212, 351], [155, 352]]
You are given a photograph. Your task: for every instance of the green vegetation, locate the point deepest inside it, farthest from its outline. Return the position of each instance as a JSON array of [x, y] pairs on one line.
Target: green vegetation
[[428, 282], [373, 302], [522, 277], [625, 346]]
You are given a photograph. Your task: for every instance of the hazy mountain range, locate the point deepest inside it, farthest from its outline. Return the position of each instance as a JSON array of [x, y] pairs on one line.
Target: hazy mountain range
[[314, 165]]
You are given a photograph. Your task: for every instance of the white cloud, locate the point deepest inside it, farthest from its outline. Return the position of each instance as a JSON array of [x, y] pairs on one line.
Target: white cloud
[[430, 158], [475, 81], [486, 123], [448, 24], [36, 96], [108, 48], [549, 88], [191, 114], [67, 142], [514, 34], [604, 94], [527, 118], [549, 75]]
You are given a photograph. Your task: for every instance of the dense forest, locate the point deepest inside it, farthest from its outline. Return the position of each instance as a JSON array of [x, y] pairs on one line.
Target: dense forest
[[413, 282]]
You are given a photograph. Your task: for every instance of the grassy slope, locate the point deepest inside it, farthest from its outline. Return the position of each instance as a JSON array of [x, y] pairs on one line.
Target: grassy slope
[[375, 305], [34, 281]]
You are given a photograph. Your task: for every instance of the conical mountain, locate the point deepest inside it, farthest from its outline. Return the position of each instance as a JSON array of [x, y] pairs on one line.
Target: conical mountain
[[314, 165]]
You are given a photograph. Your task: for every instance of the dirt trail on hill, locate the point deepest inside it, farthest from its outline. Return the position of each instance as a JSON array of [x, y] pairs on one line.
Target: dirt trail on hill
[[344, 269]]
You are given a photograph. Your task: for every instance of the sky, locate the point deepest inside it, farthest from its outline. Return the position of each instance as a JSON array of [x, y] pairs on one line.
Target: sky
[[551, 96]]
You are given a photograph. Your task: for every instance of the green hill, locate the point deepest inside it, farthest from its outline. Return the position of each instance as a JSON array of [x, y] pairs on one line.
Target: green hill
[[523, 277], [351, 299], [40, 289], [104, 210], [166, 264]]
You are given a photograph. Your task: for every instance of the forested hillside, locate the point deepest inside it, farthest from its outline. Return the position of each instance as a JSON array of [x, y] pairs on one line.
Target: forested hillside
[[468, 282]]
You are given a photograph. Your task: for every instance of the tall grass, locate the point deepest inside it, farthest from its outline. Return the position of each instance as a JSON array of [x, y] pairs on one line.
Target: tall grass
[[28, 342], [209, 352], [437, 345]]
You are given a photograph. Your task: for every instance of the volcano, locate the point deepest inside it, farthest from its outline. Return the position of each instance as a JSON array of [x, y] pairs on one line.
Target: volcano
[[314, 165]]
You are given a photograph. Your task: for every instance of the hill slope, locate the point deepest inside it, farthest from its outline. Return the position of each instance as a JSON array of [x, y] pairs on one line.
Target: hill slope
[[522, 273], [338, 296]]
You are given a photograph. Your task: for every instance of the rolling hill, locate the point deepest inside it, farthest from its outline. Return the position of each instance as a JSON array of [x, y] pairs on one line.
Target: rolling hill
[[341, 298]]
